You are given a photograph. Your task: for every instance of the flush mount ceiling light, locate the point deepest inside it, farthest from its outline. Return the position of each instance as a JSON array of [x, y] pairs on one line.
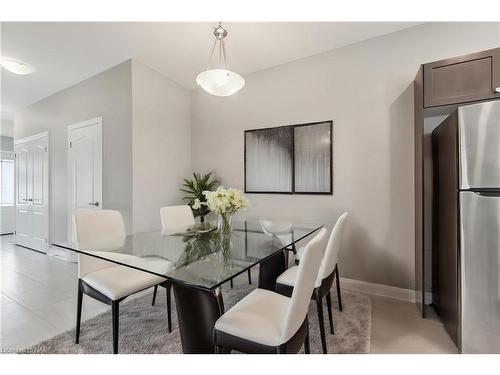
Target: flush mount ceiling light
[[220, 81], [16, 66]]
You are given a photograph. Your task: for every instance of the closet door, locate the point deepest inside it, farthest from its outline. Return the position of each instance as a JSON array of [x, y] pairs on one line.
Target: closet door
[[32, 195], [39, 195], [23, 208]]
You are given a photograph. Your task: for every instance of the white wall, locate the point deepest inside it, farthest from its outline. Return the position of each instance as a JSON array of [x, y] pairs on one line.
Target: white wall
[[7, 216], [146, 141], [161, 144], [366, 89], [107, 94], [6, 128]]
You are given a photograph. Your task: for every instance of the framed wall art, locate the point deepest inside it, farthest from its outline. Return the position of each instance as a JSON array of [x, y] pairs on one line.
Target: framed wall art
[[293, 159]]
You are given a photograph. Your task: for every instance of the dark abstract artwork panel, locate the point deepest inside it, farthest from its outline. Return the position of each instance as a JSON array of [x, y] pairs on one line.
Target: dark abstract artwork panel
[[268, 160], [313, 158]]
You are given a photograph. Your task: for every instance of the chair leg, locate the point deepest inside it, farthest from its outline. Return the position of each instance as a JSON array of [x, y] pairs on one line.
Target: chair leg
[[154, 295], [337, 280], [307, 344], [319, 304], [115, 313], [169, 306], [222, 350], [78, 313], [249, 277], [330, 315], [231, 283]]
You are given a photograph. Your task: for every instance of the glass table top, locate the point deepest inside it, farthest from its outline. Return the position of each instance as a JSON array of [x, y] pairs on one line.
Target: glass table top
[[201, 257]]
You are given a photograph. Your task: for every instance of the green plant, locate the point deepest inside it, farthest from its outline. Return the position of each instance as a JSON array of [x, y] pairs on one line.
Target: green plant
[[195, 188]]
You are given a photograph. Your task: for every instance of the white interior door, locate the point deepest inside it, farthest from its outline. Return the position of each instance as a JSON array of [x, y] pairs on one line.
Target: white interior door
[[32, 192], [85, 168]]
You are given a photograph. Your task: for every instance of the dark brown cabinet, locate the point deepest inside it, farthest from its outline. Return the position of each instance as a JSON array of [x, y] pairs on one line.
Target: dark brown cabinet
[[462, 79], [440, 87]]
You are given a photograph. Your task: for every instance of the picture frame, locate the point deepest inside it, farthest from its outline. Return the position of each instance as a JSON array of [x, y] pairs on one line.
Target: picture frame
[[306, 149]]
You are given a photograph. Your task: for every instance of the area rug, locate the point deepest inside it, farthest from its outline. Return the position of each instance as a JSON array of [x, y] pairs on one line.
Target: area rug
[[143, 328]]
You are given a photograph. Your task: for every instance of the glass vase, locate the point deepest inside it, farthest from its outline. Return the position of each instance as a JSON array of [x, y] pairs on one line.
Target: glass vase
[[225, 228], [224, 225]]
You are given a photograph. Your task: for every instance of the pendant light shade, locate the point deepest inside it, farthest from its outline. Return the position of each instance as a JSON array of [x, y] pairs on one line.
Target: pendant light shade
[[220, 81]]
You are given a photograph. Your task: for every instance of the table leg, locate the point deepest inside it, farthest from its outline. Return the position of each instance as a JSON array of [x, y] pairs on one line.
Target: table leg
[[270, 269], [197, 312]]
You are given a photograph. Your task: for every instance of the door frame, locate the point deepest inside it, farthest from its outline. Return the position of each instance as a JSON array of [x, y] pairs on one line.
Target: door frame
[[82, 124], [46, 187]]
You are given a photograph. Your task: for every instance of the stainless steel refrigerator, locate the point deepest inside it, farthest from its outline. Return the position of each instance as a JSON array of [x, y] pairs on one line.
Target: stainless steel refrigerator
[[466, 226]]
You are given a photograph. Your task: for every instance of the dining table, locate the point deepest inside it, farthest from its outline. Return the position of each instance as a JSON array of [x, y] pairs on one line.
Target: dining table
[[198, 260]]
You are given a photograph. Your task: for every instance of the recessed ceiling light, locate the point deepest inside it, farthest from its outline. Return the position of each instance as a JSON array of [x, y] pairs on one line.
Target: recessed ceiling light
[[16, 66]]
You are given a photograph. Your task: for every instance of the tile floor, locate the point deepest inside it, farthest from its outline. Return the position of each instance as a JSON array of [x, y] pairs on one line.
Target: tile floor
[[38, 301]]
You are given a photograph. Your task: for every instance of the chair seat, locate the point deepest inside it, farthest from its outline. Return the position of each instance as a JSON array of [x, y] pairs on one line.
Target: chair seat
[[118, 281], [259, 317], [289, 276]]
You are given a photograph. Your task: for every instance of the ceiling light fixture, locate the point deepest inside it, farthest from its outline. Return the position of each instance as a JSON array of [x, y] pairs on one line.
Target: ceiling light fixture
[[220, 81], [16, 66]]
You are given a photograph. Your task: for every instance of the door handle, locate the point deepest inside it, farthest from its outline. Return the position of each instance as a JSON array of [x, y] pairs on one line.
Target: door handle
[[96, 204]]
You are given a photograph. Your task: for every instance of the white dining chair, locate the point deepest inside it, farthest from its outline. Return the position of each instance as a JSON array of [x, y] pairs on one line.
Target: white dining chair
[[176, 219], [267, 322], [107, 282], [329, 270]]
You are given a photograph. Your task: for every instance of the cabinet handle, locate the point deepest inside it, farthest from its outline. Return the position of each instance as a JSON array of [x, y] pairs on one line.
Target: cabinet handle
[[30, 200], [497, 89], [94, 204]]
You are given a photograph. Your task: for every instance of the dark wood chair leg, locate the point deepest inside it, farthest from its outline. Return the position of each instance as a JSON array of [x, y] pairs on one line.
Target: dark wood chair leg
[[337, 281], [307, 344], [249, 277], [168, 288], [231, 283], [319, 304], [78, 313], [115, 312], [330, 315], [154, 295]]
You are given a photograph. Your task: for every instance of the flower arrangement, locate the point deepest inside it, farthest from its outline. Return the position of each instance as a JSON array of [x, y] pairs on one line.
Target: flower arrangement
[[226, 202], [195, 189]]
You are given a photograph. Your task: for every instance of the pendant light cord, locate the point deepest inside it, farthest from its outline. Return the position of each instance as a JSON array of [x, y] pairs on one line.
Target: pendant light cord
[[222, 51]]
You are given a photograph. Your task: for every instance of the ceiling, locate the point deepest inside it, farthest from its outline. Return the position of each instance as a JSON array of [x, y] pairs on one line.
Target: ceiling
[[66, 53]]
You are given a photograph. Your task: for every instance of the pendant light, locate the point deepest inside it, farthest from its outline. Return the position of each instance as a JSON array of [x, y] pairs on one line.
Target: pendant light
[[220, 81]]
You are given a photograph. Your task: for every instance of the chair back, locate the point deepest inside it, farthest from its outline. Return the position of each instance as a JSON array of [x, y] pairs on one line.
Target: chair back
[[304, 285], [332, 249], [176, 219], [97, 230]]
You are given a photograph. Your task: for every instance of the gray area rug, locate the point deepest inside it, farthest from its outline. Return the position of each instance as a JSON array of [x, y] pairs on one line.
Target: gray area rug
[[143, 328]]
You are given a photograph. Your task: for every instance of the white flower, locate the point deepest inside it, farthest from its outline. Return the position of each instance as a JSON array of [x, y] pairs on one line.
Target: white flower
[[196, 204], [226, 201]]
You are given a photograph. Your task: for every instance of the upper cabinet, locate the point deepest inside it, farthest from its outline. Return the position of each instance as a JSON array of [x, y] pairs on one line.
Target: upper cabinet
[[462, 79]]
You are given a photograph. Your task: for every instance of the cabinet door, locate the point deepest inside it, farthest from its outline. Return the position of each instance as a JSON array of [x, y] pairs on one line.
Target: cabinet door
[[462, 79]]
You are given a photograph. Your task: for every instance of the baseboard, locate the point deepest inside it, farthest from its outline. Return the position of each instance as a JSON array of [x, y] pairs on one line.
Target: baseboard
[[407, 295]]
